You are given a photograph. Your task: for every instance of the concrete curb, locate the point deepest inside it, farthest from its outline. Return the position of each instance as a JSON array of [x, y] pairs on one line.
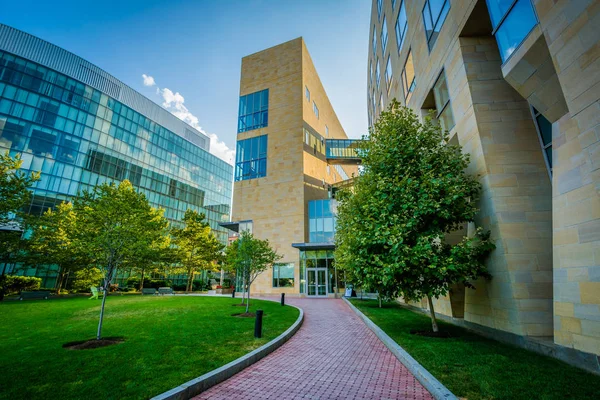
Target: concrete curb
[[202, 383], [435, 387]]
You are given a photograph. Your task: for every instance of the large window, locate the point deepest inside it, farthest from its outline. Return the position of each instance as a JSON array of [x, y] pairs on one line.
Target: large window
[[254, 111], [321, 221], [434, 15], [442, 103], [401, 26], [283, 275], [251, 158], [388, 74], [408, 77], [384, 36], [512, 21]]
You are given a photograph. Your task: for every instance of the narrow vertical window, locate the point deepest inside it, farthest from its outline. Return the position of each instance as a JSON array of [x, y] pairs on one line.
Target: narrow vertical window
[[307, 93], [374, 41], [442, 103], [408, 78], [384, 36], [388, 74], [377, 73], [401, 26], [316, 109]]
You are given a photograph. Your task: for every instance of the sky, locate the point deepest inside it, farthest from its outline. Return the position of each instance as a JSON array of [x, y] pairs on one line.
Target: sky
[[186, 54]]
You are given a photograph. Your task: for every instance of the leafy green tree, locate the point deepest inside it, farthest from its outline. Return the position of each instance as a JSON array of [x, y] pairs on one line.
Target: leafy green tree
[[14, 196], [250, 257], [114, 225], [413, 190], [51, 242], [198, 247]]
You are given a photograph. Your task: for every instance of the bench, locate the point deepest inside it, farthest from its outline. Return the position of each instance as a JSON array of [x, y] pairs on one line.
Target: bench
[[41, 294], [151, 291], [165, 290]]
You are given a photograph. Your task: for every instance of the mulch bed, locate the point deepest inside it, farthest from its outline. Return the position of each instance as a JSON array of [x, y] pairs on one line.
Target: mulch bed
[[440, 334], [244, 315], [93, 343]]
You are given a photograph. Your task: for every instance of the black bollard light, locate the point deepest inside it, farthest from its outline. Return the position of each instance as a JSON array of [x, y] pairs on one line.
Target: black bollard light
[[258, 324], [233, 294], [283, 299]]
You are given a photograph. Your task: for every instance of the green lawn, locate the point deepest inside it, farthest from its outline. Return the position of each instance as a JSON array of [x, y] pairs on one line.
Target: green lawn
[[169, 340], [474, 367]]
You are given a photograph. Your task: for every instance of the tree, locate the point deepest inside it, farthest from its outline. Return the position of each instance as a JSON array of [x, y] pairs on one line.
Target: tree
[[51, 242], [114, 225], [14, 196], [198, 247], [412, 192], [250, 257]]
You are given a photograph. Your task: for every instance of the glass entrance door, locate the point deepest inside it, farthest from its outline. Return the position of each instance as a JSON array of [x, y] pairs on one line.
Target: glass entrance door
[[316, 281]]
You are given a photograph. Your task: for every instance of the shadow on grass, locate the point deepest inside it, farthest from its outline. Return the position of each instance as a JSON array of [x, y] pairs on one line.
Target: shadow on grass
[[478, 368]]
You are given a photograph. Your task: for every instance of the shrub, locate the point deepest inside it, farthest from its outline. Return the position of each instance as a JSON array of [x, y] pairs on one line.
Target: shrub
[[156, 283], [133, 281], [15, 284], [199, 286], [86, 278]]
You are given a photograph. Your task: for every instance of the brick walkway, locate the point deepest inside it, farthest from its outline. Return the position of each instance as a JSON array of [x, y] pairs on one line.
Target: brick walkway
[[333, 356]]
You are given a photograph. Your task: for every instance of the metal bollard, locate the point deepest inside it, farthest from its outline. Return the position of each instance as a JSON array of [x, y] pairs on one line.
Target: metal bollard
[[283, 299], [233, 294], [258, 324]]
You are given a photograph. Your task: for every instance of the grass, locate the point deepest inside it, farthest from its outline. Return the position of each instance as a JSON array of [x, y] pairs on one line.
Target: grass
[[169, 340], [474, 367]]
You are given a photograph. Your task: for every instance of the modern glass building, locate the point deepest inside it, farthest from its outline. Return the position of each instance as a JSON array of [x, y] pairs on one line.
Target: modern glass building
[[82, 127]]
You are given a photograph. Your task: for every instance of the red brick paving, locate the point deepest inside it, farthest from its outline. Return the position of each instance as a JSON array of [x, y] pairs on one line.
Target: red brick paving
[[333, 356]]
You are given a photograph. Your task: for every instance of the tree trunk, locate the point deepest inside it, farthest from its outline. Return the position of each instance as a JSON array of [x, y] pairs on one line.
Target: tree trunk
[[59, 283], [190, 281], [379, 296], [142, 280], [106, 285], [432, 314], [248, 302]]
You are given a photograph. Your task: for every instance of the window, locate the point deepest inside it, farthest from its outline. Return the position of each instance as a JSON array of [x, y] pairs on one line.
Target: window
[[374, 41], [384, 36], [370, 71], [401, 26], [377, 73], [544, 129], [512, 20], [442, 103], [379, 8], [388, 74], [381, 108], [307, 93], [321, 221], [283, 275], [316, 109], [42, 143], [326, 131], [254, 111], [393, 4], [434, 15], [408, 77], [251, 158]]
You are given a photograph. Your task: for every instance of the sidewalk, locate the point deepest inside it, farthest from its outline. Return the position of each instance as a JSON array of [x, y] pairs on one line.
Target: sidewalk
[[333, 356]]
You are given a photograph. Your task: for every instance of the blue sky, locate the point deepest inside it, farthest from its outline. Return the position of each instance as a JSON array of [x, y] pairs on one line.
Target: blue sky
[[194, 48]]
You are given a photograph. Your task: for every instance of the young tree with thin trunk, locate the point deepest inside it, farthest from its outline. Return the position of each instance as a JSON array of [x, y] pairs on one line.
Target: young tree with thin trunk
[[198, 247], [412, 192], [250, 257], [116, 225]]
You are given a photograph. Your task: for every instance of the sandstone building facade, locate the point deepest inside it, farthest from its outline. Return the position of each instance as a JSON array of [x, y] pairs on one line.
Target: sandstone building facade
[[517, 85]]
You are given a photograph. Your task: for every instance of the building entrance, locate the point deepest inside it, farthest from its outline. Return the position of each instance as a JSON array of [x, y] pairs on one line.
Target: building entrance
[[316, 282]]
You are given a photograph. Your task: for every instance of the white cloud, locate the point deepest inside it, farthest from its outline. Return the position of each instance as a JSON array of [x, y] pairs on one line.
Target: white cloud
[[148, 80], [173, 102]]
